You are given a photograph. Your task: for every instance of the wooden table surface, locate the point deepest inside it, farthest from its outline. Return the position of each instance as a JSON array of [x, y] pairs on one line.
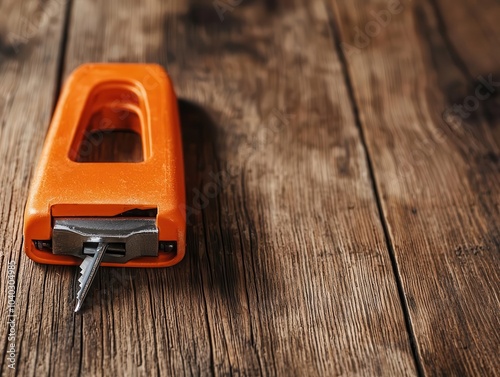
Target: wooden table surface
[[343, 186]]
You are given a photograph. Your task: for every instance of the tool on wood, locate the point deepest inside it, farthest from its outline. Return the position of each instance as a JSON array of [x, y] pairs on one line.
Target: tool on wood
[[109, 213]]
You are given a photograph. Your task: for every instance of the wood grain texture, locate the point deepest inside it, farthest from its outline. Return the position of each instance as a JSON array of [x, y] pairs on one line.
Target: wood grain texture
[[342, 198], [471, 35], [30, 36], [287, 270], [437, 172]]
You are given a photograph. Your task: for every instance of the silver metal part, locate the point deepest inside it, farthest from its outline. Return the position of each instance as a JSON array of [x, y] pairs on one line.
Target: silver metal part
[[99, 240], [126, 238], [88, 270]]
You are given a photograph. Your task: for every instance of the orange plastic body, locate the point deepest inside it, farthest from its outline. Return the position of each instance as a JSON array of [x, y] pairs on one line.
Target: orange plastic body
[[62, 187]]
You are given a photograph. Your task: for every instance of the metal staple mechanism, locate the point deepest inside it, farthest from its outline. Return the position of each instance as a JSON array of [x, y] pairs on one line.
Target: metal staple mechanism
[[103, 240]]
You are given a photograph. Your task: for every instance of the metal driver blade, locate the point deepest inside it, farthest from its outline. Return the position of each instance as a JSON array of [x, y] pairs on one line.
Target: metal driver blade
[[88, 270]]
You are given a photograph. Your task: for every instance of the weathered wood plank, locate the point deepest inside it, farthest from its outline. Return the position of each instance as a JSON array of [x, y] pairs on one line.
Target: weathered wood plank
[[30, 35], [471, 36], [437, 174], [471, 29], [287, 269]]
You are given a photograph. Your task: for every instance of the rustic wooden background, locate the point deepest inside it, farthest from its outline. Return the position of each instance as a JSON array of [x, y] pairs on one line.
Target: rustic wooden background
[[355, 226]]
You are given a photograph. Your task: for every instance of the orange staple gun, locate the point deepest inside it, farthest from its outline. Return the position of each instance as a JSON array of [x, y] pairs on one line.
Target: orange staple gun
[[89, 206]]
